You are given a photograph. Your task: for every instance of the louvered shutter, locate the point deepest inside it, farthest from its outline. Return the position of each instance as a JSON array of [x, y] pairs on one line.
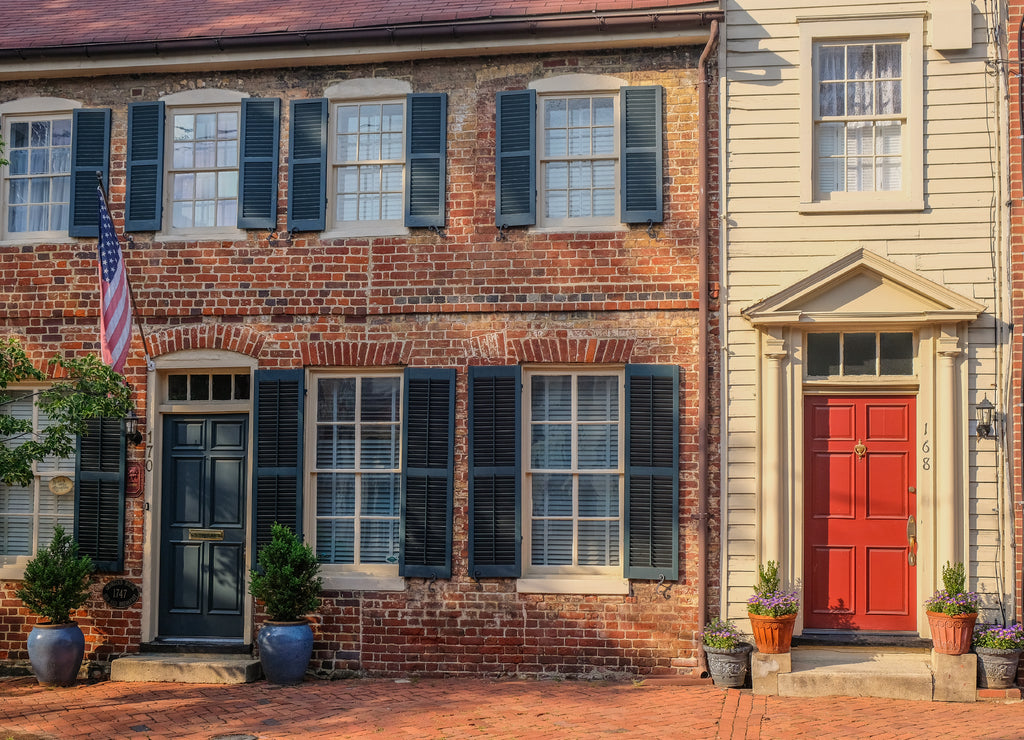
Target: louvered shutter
[[99, 493], [516, 166], [640, 140], [257, 167], [307, 166], [652, 472], [90, 153], [144, 202], [494, 459], [428, 437], [426, 136], [278, 434]]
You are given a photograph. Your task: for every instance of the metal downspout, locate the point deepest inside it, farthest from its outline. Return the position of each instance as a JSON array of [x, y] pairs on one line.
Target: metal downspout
[[703, 289]]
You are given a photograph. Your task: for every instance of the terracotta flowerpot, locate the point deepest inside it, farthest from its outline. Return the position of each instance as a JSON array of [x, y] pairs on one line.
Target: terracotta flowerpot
[[951, 633], [773, 634]]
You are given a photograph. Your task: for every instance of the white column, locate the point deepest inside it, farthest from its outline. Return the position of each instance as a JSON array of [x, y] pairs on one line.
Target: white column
[[774, 391], [947, 444]]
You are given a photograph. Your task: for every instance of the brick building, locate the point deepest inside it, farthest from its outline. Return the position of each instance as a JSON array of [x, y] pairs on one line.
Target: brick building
[[431, 284]]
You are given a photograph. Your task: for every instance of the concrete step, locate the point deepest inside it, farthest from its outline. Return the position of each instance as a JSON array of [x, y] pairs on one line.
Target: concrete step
[[877, 672], [186, 668]]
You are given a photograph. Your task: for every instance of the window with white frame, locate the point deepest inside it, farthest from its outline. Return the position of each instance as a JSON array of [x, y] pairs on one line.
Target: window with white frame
[[574, 475], [203, 171], [862, 114], [369, 163], [356, 472], [29, 514], [578, 159], [37, 186]]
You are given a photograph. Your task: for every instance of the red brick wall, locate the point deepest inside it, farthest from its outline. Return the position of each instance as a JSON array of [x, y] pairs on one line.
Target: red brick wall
[[469, 297]]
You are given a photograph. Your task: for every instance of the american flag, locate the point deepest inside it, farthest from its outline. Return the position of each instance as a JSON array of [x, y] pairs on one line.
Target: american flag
[[116, 312]]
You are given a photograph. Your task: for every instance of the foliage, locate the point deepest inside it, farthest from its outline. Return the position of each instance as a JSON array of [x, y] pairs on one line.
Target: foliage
[[770, 598], [2, 160], [86, 389], [57, 579], [999, 637], [287, 581], [952, 599], [722, 634]]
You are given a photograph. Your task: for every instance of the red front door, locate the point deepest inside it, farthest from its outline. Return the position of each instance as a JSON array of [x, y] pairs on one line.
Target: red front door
[[859, 494]]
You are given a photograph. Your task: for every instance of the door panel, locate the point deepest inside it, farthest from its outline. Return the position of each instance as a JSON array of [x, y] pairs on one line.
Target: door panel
[[202, 550], [857, 502]]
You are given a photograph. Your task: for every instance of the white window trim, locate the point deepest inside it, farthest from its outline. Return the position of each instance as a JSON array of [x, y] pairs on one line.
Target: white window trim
[[354, 92], [908, 29], [577, 85], [12, 567], [576, 579], [28, 109], [357, 576], [187, 101]]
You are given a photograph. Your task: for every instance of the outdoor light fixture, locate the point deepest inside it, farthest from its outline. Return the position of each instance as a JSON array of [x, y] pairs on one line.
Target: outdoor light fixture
[[131, 429], [983, 415]]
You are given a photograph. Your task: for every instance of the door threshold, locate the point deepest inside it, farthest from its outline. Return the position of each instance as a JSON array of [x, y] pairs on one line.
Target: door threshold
[[217, 645], [858, 638]]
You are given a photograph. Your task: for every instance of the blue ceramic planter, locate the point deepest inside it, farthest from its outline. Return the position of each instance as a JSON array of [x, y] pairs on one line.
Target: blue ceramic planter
[[56, 652], [285, 650]]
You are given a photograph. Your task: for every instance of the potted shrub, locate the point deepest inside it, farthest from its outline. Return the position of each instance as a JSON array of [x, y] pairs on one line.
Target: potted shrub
[[952, 612], [56, 584], [288, 584], [998, 650], [727, 653], [772, 611]]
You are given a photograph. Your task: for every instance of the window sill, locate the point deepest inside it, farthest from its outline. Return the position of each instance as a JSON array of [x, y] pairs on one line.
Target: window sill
[[569, 229], [873, 204], [201, 235], [355, 230], [35, 237], [586, 585], [12, 568], [363, 582]]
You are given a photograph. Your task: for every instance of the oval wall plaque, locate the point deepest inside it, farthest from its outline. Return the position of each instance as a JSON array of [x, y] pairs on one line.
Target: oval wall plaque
[[121, 593]]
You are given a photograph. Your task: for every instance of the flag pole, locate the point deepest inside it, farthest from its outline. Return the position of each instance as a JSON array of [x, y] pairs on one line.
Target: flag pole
[[131, 294]]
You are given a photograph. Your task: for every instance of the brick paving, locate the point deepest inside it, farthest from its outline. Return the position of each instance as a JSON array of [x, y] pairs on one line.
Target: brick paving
[[475, 708]]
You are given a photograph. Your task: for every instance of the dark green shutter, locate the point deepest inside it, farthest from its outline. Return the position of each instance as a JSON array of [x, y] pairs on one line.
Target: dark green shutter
[[307, 166], [516, 166], [144, 202], [641, 152], [278, 434], [257, 166], [652, 472], [427, 115], [99, 493], [494, 459], [428, 436], [90, 153]]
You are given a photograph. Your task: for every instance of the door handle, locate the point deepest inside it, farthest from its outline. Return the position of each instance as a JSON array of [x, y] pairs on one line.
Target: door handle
[[911, 542]]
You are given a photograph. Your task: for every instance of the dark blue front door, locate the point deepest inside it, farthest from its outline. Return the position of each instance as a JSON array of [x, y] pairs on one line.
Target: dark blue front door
[[202, 551]]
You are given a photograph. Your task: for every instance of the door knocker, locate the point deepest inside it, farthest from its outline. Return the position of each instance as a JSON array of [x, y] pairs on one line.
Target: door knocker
[[860, 449]]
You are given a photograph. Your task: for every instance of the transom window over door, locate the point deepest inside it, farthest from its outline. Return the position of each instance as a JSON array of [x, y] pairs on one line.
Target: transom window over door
[[860, 118], [849, 354], [575, 472], [369, 162], [38, 174], [578, 164], [204, 169], [357, 474]]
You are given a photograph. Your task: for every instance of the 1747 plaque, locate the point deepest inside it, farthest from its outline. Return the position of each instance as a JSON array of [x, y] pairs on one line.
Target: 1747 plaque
[[121, 593]]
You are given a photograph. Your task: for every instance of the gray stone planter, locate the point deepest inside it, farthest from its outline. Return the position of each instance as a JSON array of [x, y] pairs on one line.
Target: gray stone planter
[[729, 666], [997, 669]]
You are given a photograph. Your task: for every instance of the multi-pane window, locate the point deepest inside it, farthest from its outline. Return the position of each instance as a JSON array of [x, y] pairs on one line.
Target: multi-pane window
[[38, 183], [848, 354], [208, 386], [28, 514], [204, 169], [574, 477], [369, 162], [357, 470], [579, 159], [859, 116]]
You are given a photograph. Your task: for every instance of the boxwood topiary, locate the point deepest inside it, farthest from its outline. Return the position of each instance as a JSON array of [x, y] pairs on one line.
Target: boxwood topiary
[[57, 579], [287, 580]]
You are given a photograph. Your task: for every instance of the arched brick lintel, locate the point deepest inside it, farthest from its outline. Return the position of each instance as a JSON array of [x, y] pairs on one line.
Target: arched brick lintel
[[355, 354], [207, 336]]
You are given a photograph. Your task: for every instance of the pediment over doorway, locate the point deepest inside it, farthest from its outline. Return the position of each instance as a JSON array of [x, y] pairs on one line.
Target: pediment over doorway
[[863, 287]]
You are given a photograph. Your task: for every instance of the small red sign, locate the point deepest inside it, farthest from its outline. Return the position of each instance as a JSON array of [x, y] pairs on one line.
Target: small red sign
[[133, 481]]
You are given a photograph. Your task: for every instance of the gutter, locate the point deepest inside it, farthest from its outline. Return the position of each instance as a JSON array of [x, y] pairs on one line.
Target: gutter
[[703, 288]]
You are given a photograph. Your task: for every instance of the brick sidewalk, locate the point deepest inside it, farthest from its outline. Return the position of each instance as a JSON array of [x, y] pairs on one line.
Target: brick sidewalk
[[474, 708]]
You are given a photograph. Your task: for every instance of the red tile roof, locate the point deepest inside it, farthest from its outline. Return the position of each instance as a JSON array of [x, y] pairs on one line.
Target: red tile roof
[[47, 23]]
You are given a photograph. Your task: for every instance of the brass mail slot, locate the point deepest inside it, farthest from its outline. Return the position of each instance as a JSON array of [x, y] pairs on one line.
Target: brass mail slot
[[206, 534]]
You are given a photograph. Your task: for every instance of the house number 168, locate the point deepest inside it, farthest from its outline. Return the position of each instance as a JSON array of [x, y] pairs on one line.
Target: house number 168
[[926, 462]]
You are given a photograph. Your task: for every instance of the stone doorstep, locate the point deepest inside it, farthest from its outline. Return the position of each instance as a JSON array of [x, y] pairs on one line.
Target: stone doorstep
[[186, 668], [857, 671]]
